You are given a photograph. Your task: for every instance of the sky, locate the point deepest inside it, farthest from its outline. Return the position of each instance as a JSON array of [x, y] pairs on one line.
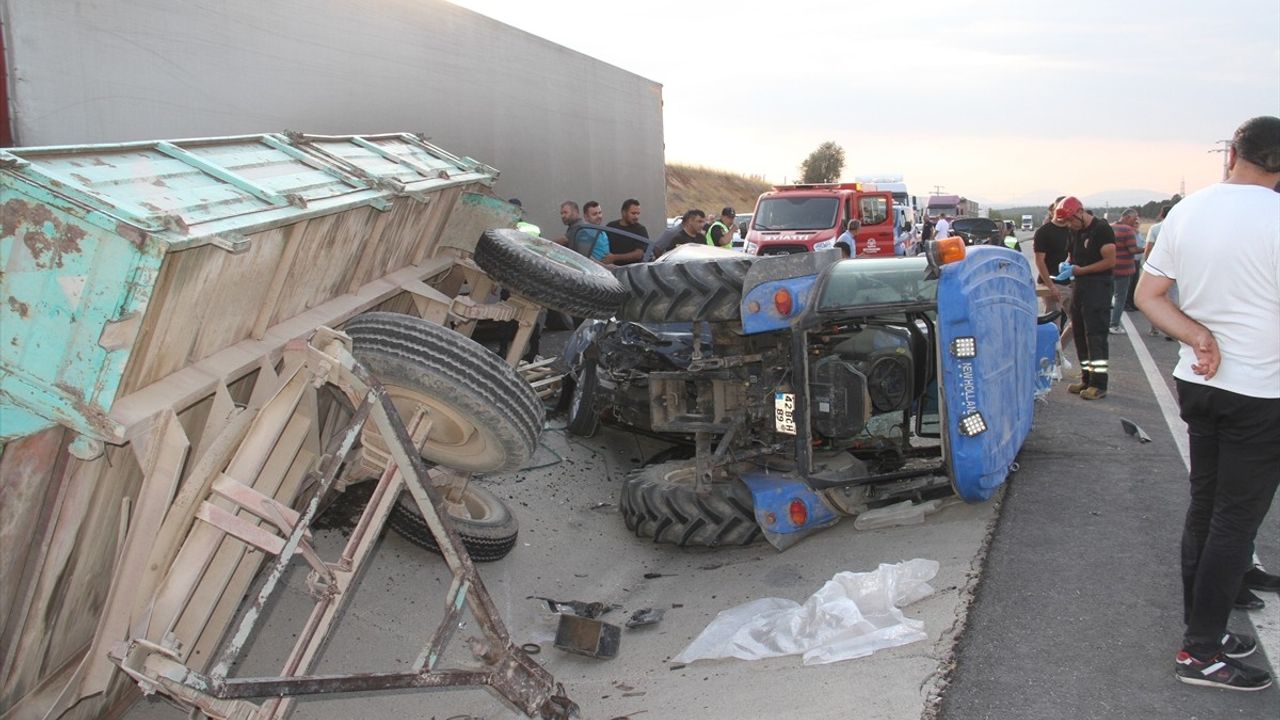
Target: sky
[[1001, 101]]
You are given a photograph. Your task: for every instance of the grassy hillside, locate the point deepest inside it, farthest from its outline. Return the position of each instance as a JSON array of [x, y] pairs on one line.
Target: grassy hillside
[[709, 190]]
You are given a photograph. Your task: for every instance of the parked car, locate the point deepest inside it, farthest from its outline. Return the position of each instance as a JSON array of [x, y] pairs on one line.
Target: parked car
[[978, 231], [814, 387]]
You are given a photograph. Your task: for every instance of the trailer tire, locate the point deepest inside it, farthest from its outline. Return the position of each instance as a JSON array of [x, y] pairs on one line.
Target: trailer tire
[[549, 274], [684, 291], [485, 417], [584, 419], [659, 501], [488, 529]]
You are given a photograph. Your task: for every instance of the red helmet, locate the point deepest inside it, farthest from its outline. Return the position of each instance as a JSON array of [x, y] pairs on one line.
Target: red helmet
[[1069, 206]]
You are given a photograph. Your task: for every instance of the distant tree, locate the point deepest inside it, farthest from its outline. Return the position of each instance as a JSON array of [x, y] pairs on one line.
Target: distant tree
[[824, 164]]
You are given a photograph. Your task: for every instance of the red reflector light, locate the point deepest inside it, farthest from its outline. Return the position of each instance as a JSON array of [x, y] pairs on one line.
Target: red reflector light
[[782, 301], [798, 512]]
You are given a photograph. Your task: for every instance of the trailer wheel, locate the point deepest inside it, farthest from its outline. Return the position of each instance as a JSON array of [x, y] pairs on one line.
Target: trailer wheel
[[485, 523], [584, 419], [549, 274], [484, 417], [659, 502], [684, 291]]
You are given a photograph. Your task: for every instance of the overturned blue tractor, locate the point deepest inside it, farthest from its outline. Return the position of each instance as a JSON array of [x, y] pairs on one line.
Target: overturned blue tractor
[[806, 388]]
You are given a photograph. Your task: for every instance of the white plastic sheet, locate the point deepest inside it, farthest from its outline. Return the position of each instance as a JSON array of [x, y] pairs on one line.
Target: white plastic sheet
[[853, 615]]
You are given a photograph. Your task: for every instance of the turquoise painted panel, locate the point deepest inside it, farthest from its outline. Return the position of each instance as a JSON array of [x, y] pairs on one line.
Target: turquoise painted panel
[[84, 230], [65, 281]]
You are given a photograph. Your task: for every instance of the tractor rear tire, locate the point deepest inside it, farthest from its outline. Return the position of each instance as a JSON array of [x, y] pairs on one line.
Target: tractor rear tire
[[684, 291], [659, 501]]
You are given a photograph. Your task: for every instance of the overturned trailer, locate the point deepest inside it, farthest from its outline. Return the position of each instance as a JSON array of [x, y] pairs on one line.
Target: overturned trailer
[[167, 429]]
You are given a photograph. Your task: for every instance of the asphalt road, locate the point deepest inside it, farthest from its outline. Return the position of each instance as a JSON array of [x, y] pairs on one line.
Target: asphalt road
[[1079, 611], [1073, 612]]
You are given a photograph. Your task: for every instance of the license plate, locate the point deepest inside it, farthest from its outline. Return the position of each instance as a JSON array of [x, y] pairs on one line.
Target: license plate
[[784, 413]]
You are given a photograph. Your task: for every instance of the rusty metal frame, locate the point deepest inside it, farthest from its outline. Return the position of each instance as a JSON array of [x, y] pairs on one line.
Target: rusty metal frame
[[509, 672]]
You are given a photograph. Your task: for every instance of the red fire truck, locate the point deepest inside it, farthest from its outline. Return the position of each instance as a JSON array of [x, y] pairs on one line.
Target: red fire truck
[[800, 218]]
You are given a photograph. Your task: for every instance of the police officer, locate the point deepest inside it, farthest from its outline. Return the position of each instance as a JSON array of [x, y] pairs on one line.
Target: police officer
[[1092, 256], [719, 233]]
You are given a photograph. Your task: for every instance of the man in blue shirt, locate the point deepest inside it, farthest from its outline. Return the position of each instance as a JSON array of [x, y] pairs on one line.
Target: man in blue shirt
[[849, 236], [600, 243]]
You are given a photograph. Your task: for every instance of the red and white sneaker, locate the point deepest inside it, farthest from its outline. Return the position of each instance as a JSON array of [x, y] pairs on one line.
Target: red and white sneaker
[[1220, 671]]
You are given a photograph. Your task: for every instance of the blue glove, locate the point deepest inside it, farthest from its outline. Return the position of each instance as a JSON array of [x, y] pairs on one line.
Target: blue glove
[[1065, 272]]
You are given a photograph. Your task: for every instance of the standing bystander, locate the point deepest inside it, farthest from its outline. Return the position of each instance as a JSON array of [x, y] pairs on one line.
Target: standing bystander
[[622, 249], [571, 216], [849, 238], [1228, 380], [1051, 242], [1127, 252], [943, 228], [719, 233], [1093, 254], [594, 215], [688, 231]]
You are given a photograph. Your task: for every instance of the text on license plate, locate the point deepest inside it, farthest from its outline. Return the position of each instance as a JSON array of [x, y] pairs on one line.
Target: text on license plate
[[784, 413]]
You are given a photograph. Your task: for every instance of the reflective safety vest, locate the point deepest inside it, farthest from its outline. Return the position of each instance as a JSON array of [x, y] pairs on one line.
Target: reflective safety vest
[[1011, 242], [710, 238]]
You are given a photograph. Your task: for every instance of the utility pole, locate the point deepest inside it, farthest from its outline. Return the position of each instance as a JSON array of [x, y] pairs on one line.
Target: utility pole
[[1225, 145], [937, 189]]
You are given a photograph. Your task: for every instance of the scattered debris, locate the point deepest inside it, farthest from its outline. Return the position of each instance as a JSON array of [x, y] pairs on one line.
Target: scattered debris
[[585, 636], [1131, 429], [654, 575], [902, 513], [531, 648], [645, 616], [576, 607]]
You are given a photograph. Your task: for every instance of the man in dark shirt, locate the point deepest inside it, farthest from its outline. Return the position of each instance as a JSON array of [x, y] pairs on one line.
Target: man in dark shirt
[[691, 226], [571, 216], [688, 230], [624, 250], [1051, 242], [1093, 255]]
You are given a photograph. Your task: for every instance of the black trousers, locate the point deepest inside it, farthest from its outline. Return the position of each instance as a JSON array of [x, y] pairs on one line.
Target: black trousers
[[1235, 468], [1090, 318]]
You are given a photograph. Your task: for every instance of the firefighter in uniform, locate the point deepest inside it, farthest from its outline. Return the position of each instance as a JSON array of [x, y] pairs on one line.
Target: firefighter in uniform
[[1092, 256]]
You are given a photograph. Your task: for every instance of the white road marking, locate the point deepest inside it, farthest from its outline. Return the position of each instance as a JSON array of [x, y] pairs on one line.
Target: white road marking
[[1266, 622]]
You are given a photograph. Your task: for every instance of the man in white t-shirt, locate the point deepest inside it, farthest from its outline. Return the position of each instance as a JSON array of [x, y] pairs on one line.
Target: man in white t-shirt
[[944, 227], [1222, 246]]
